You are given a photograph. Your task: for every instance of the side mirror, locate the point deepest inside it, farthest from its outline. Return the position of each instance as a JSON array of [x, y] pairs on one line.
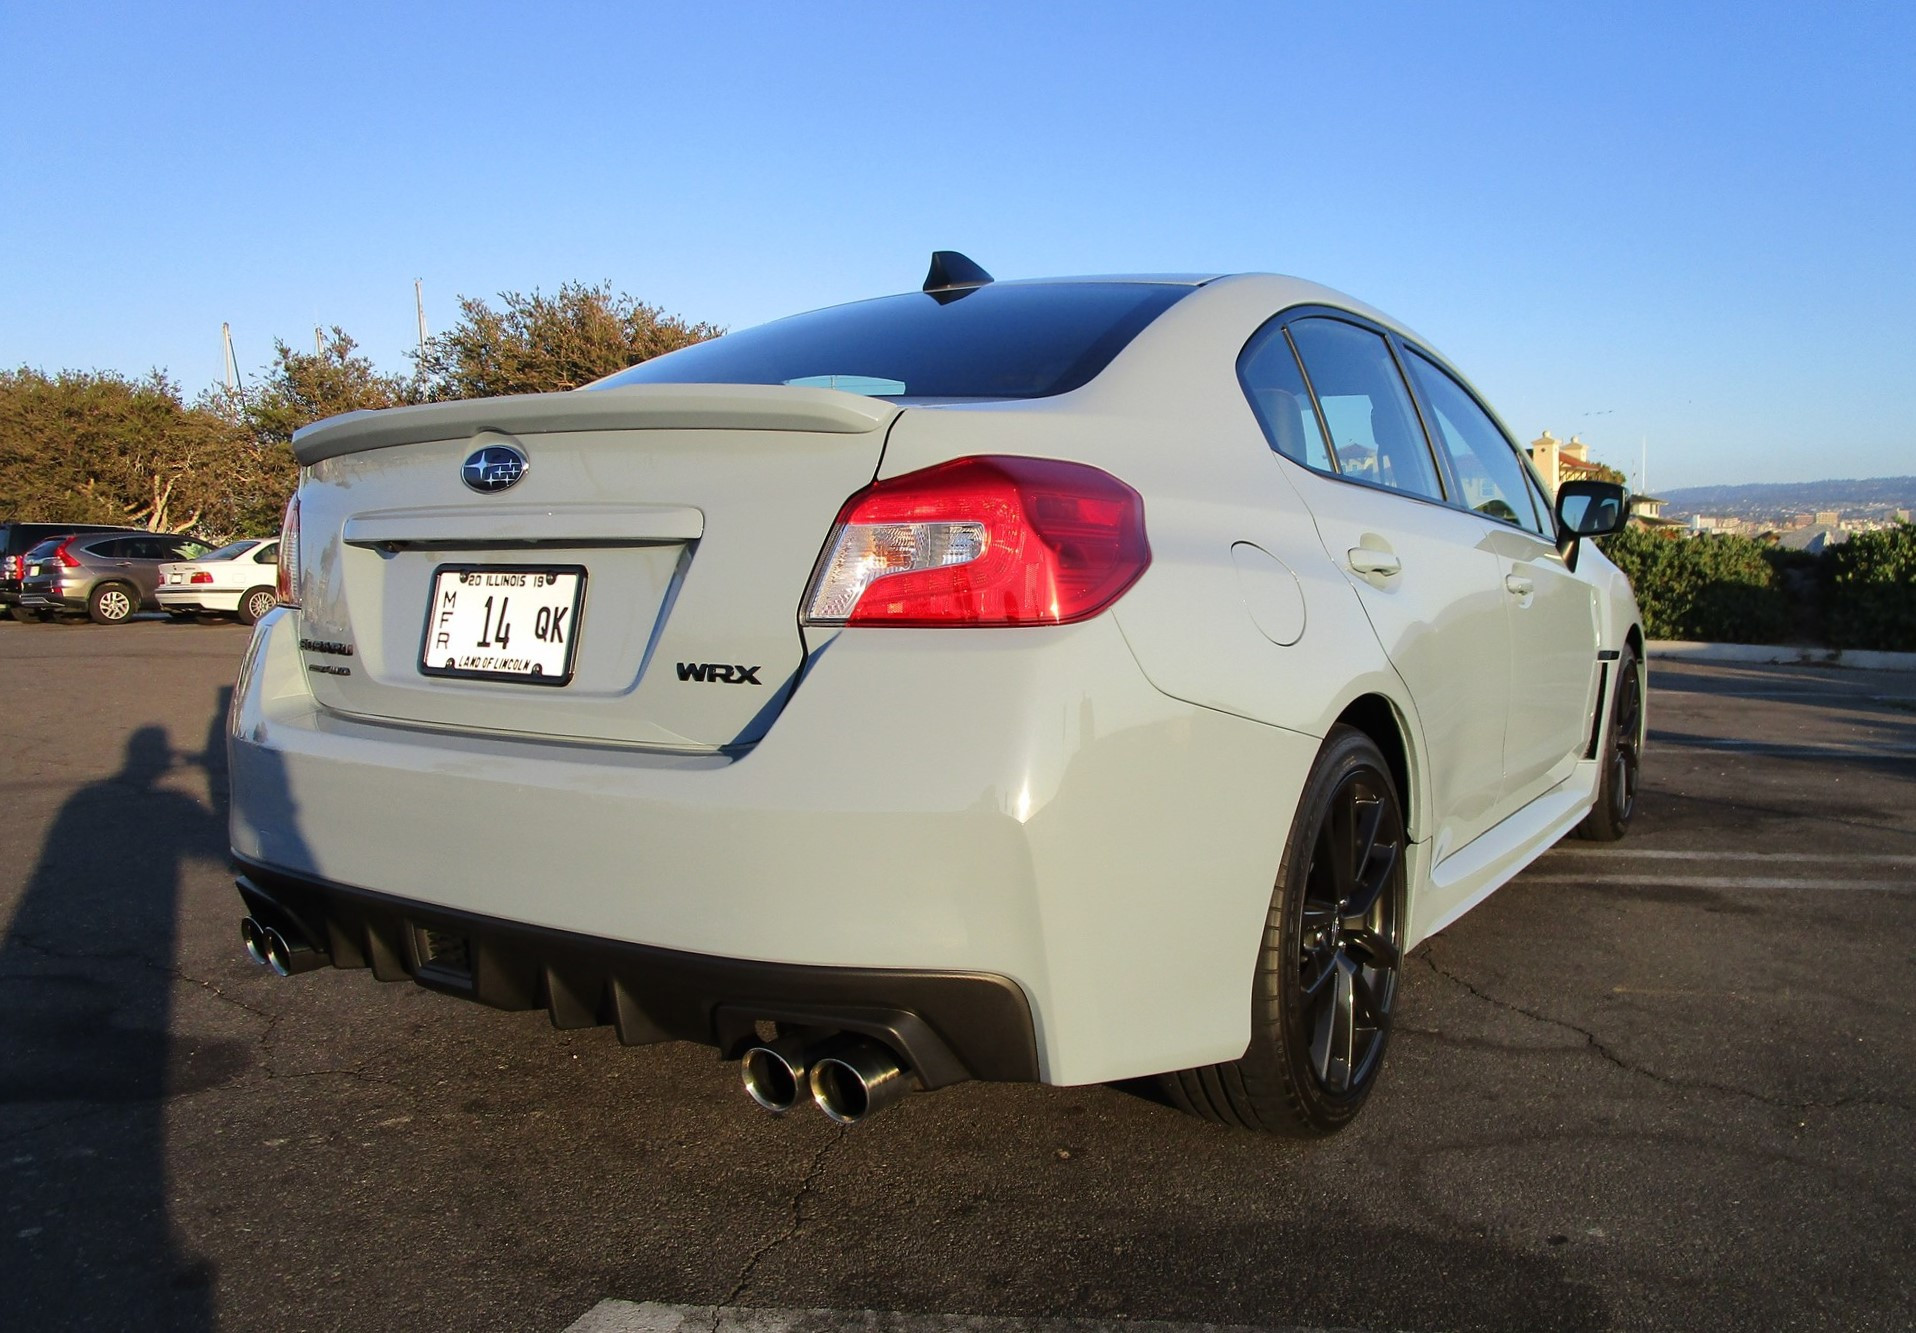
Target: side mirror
[[1591, 508], [1588, 509]]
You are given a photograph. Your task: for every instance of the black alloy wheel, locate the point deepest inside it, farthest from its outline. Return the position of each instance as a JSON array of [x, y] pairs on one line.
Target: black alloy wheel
[[1621, 754], [1327, 975], [1348, 953]]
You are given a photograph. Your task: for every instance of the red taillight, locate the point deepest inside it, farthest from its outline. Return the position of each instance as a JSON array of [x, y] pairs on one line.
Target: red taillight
[[982, 541], [200, 576], [65, 556], [286, 582]]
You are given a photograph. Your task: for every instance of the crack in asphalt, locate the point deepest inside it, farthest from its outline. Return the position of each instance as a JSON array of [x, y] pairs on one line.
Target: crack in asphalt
[[1596, 1045], [791, 1231]]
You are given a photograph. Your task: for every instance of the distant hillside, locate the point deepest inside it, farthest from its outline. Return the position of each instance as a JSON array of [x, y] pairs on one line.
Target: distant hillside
[[1794, 496]]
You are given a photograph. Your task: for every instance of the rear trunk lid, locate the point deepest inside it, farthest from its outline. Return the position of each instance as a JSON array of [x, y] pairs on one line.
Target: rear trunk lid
[[666, 533]]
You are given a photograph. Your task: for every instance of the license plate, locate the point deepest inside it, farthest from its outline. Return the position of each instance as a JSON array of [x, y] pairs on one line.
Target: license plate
[[503, 622]]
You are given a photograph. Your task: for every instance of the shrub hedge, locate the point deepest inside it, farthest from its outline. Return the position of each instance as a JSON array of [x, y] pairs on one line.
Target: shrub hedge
[[1728, 589], [1872, 590]]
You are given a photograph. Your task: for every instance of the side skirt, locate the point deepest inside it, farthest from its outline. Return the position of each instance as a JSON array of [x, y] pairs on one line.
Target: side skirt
[[1475, 871]]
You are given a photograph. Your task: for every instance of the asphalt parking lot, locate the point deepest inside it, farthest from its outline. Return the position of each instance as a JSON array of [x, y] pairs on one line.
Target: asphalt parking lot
[[1665, 1085]]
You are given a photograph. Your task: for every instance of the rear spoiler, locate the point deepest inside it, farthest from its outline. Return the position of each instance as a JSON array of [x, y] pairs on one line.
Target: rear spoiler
[[774, 407]]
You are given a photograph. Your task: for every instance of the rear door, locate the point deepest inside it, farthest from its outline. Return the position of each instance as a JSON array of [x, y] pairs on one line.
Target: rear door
[[1430, 589]]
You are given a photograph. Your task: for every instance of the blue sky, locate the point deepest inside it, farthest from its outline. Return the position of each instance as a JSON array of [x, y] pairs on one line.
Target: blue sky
[[1691, 223]]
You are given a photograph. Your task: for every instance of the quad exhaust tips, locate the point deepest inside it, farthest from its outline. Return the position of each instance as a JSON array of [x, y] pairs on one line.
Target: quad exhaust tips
[[284, 950], [850, 1079], [774, 1074]]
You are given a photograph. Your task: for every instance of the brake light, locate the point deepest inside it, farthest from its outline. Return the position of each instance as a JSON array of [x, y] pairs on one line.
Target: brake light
[[200, 576], [286, 581], [64, 556], [982, 541]]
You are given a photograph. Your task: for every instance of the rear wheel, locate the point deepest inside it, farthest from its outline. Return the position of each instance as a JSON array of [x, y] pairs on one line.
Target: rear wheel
[[255, 604], [112, 604], [1320, 1005], [1621, 753]]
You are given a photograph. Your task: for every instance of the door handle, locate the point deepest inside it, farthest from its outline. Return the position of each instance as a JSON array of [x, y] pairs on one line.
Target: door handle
[[1364, 560], [1520, 585]]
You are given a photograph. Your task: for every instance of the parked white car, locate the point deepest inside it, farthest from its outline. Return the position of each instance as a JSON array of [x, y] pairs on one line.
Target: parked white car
[[237, 579], [1062, 680]]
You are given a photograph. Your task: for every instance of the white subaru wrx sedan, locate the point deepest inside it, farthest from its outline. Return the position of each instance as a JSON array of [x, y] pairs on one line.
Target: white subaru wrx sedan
[[1060, 680]]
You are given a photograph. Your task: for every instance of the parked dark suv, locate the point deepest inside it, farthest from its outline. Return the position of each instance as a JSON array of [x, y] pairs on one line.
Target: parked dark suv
[[16, 539], [109, 575]]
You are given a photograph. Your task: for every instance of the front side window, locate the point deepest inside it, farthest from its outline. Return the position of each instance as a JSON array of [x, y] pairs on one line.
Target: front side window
[[1374, 431], [1488, 473]]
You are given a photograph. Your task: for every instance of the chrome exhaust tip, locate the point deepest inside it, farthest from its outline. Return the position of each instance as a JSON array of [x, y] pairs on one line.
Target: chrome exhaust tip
[[774, 1073], [857, 1081], [288, 954], [253, 936]]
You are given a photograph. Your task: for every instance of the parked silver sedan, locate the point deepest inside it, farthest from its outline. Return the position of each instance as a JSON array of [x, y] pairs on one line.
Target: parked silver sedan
[[108, 575]]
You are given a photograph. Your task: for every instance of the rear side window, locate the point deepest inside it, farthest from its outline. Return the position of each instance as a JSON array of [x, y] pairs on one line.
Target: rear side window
[[1271, 380], [1375, 434], [267, 554], [1002, 340], [1482, 460], [110, 548]]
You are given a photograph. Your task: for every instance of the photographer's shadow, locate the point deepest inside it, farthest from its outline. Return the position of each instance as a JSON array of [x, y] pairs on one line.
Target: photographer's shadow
[[87, 975]]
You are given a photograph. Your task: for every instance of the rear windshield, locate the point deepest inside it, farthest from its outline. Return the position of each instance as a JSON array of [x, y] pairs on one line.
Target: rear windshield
[[232, 552], [1004, 340]]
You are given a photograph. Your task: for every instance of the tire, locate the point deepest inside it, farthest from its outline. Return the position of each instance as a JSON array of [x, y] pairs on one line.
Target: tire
[[1621, 753], [1326, 976], [112, 604], [255, 603]]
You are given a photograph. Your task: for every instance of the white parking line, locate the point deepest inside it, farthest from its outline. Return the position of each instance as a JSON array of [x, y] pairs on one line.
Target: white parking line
[[1779, 750], [652, 1317], [1711, 854], [1727, 882]]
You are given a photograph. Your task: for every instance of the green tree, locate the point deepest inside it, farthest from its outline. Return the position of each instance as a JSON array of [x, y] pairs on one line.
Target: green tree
[[300, 388], [543, 344], [97, 447]]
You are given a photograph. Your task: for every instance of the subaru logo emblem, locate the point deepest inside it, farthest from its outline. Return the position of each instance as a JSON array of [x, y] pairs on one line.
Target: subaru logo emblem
[[494, 468]]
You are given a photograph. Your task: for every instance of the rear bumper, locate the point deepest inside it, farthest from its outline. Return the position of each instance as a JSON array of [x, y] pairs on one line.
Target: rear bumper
[[1020, 805], [47, 597], [187, 598], [948, 1026]]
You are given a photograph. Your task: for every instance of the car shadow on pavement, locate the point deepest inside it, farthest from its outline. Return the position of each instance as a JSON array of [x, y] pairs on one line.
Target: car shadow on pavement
[[87, 980]]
